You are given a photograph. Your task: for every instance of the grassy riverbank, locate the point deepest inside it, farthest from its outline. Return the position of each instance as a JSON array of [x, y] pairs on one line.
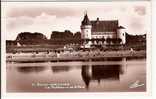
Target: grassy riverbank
[[73, 56], [59, 53], [45, 48]]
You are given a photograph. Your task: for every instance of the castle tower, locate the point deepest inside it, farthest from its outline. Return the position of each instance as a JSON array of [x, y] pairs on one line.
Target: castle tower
[[86, 31], [121, 34]]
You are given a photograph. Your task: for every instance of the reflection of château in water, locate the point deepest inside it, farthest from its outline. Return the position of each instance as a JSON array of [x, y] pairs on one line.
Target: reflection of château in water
[[57, 69], [101, 72], [89, 72]]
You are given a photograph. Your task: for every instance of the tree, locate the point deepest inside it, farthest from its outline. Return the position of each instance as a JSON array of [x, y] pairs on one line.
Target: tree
[[118, 40], [108, 40], [30, 36], [103, 40], [68, 34], [77, 35], [62, 35]]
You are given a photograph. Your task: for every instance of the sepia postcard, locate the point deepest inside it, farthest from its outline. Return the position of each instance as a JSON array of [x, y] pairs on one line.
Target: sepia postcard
[[76, 46]]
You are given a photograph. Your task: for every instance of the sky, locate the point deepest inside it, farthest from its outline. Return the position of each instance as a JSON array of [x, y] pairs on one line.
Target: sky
[[45, 17]]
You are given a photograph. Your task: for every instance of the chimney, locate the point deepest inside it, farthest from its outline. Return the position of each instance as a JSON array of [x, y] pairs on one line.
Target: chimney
[[97, 19]]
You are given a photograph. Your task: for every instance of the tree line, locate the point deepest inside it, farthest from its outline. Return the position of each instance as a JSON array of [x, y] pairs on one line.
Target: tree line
[[54, 36], [67, 37]]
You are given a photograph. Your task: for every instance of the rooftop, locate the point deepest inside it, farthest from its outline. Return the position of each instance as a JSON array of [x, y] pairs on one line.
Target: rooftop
[[86, 20], [104, 25]]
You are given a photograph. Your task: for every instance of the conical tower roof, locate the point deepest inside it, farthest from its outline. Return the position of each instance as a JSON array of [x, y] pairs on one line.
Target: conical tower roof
[[86, 20]]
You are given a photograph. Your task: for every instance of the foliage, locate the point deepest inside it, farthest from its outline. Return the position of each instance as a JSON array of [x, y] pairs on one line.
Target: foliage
[[30, 36]]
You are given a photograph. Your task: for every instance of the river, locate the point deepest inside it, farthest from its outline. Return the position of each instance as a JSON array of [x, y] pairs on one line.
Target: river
[[109, 75]]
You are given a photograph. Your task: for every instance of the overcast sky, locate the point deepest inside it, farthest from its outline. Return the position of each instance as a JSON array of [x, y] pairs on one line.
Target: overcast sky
[[51, 16]]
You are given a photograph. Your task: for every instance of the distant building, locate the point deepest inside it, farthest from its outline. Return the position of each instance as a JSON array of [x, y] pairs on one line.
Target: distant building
[[101, 29]]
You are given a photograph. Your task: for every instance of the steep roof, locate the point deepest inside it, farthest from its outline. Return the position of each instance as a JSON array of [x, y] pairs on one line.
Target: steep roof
[[104, 25], [86, 20]]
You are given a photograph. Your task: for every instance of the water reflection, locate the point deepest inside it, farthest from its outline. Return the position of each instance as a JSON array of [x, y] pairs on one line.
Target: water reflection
[[101, 72], [135, 58], [58, 69], [31, 69], [95, 76], [108, 59]]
